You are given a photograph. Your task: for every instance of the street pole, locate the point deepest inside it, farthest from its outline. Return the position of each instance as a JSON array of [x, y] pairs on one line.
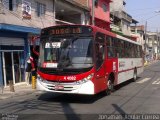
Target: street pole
[[93, 22], [157, 56], [145, 44]]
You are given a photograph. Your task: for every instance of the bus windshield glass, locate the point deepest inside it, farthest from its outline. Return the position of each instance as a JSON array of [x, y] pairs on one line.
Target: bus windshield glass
[[66, 53]]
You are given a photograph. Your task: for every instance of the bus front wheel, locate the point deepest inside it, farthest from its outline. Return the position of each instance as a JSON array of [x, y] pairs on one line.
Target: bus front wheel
[[110, 86]]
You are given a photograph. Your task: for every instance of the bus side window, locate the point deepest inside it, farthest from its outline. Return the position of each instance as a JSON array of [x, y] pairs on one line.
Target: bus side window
[[117, 47], [127, 49], [111, 52], [110, 42], [141, 51], [136, 51], [100, 55], [99, 48], [132, 51]]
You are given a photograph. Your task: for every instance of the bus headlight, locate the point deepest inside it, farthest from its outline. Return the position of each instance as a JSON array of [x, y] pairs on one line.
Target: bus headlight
[[38, 77], [41, 79], [89, 77]]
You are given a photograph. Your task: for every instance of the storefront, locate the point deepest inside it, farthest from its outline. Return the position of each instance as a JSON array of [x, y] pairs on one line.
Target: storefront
[[14, 49], [12, 63]]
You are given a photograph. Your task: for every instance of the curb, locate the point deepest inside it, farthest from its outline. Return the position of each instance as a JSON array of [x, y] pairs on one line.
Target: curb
[[11, 95]]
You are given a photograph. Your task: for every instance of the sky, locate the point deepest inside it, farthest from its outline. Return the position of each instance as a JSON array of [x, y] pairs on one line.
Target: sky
[[145, 10]]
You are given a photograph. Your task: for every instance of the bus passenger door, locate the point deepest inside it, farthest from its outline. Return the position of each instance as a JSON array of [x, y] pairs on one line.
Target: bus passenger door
[[99, 61]]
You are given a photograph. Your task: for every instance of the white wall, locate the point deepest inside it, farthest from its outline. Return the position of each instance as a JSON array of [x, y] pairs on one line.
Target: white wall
[[117, 5], [15, 16]]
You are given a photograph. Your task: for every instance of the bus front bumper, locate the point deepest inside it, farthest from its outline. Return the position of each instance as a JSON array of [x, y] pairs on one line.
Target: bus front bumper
[[70, 88]]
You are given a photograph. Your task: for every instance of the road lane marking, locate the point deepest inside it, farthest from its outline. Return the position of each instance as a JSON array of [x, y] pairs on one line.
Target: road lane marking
[[156, 82], [143, 80]]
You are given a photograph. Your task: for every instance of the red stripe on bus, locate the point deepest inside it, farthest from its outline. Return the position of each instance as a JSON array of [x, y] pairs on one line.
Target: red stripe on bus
[[129, 69]]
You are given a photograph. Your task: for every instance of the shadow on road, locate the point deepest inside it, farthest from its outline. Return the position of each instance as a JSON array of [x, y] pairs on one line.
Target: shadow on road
[[34, 109], [125, 84], [70, 98], [123, 114]]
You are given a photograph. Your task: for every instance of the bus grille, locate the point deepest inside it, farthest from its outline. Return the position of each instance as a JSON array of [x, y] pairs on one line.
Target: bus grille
[[62, 86]]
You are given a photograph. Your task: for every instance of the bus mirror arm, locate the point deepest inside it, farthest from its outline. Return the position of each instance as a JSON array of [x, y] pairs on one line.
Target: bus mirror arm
[[35, 52], [34, 39]]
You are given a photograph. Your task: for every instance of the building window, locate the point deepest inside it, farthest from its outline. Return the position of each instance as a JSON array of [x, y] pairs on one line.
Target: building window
[[41, 9], [11, 5], [104, 6]]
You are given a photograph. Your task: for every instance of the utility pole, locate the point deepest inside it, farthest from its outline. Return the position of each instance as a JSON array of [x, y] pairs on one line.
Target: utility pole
[[93, 20], [153, 48], [145, 42], [157, 56]]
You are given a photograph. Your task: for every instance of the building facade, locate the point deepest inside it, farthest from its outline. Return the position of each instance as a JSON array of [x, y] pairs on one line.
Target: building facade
[[152, 45], [139, 33], [100, 12], [71, 12], [22, 19], [120, 19]]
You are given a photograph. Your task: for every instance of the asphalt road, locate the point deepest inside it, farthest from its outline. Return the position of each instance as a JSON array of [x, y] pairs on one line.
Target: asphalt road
[[140, 97]]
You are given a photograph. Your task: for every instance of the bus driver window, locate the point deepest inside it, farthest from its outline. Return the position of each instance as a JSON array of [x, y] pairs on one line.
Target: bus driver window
[[99, 55]]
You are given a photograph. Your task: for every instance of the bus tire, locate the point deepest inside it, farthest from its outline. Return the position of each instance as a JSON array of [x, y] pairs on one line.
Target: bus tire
[[110, 86], [135, 75]]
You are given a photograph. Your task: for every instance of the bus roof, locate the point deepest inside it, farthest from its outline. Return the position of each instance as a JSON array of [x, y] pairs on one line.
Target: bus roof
[[97, 29]]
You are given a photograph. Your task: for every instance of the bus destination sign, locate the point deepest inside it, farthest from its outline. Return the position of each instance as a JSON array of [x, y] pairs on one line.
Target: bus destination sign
[[61, 31], [64, 30]]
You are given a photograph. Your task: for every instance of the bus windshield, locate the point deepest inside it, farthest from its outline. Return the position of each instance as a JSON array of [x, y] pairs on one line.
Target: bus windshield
[[66, 53]]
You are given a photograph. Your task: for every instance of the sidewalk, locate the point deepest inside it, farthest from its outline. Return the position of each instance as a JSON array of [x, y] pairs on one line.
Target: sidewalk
[[20, 90]]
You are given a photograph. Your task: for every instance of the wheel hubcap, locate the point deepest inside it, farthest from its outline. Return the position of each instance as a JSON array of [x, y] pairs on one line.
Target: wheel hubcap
[[109, 85]]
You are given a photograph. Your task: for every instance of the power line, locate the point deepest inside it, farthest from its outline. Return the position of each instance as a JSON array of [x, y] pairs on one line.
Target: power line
[[152, 17], [153, 27], [142, 14], [148, 19], [141, 9]]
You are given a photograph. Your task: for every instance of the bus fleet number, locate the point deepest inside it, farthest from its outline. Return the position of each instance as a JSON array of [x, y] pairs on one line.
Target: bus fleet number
[[70, 78]]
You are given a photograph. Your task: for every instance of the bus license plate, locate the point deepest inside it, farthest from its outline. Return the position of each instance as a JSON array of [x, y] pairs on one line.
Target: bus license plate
[[59, 87]]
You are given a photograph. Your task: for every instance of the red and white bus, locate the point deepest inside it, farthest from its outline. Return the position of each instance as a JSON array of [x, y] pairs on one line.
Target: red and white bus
[[83, 59]]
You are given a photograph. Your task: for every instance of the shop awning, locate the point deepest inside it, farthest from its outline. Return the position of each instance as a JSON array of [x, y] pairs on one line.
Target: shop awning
[[18, 28]]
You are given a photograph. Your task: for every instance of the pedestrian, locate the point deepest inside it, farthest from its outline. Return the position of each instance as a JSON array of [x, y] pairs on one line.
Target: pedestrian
[[33, 66], [30, 69]]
